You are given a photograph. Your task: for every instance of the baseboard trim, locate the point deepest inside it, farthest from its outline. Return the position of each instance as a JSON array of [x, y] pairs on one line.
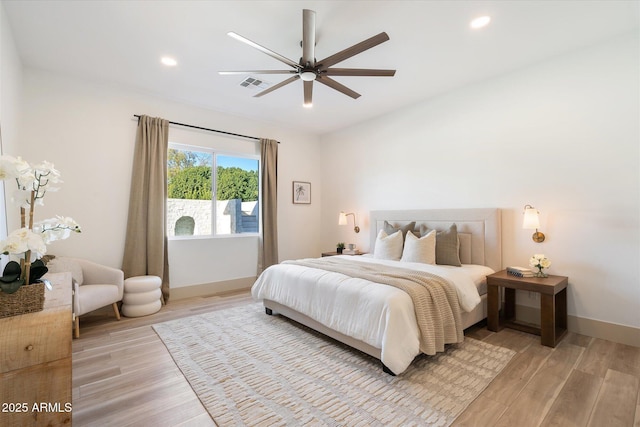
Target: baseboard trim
[[593, 328], [607, 331], [214, 288]]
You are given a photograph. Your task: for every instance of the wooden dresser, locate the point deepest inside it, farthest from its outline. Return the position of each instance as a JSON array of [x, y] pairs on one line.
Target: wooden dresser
[[35, 361]]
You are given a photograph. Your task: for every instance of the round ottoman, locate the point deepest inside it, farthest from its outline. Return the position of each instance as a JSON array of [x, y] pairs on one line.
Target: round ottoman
[[141, 296]]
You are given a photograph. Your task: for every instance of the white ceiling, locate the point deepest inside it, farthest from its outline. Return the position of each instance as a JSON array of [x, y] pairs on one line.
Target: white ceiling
[[431, 46]]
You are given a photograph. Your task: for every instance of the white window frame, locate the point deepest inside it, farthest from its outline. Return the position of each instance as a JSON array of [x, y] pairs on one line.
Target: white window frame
[[214, 196]]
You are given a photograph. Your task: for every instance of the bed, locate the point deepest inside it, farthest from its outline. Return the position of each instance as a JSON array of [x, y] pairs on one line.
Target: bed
[[375, 318]]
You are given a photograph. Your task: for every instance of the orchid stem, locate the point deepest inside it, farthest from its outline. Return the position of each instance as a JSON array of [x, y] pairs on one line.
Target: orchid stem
[[27, 255], [27, 267], [33, 199]]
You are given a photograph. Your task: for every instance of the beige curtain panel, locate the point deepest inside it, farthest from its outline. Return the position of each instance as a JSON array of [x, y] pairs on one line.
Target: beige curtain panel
[[145, 251], [268, 251]]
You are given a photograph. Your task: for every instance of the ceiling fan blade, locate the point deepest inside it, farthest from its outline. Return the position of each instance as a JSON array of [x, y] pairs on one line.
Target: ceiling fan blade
[[358, 72], [308, 92], [308, 37], [353, 50], [264, 50], [231, 73], [337, 86], [278, 86]]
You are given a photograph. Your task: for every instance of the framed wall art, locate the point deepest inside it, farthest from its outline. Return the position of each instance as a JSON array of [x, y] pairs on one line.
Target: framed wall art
[[301, 192]]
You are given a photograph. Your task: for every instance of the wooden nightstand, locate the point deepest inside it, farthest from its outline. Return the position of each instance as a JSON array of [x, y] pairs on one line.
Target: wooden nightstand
[[553, 304]]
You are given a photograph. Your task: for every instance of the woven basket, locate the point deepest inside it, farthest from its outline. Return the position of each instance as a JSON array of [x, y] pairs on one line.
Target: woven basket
[[27, 299]]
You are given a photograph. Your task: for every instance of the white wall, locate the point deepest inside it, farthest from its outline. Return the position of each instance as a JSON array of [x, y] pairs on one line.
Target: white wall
[[563, 136], [87, 130]]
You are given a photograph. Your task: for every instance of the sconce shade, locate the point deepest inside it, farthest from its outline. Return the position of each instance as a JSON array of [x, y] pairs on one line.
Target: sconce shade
[[531, 220], [342, 219]]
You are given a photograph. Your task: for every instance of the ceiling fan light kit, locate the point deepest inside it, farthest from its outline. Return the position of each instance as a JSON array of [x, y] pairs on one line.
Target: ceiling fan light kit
[[308, 69], [308, 76]]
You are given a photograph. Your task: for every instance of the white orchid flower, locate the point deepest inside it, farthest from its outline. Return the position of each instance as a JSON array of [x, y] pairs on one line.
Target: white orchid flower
[[23, 240], [7, 168], [16, 243], [16, 168], [58, 228]]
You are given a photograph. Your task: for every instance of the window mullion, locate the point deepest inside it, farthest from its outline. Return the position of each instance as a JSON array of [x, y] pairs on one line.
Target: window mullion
[[214, 196]]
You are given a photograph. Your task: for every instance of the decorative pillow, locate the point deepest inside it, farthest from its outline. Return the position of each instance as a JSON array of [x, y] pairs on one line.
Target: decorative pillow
[[62, 264], [447, 245], [388, 246], [390, 229], [465, 248], [421, 249]]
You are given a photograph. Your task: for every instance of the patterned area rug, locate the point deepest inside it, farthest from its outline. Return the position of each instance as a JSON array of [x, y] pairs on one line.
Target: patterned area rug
[[251, 369]]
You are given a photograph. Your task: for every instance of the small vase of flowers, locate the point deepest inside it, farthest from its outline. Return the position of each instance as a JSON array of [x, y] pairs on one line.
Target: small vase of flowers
[[540, 262]]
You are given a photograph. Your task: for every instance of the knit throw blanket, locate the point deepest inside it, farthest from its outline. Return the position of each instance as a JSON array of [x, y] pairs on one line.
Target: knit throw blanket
[[434, 299]]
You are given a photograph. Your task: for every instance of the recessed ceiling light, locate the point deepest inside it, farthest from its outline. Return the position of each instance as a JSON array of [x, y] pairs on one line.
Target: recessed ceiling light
[[479, 22], [168, 61]]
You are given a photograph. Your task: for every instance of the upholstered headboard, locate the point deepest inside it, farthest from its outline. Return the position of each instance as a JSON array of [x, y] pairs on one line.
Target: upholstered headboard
[[479, 230]]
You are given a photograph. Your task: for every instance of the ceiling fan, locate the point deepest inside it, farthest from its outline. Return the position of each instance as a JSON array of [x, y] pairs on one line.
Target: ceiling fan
[[310, 70]]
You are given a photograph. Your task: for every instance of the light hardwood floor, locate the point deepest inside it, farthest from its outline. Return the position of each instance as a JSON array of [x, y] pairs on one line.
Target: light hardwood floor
[[124, 376]]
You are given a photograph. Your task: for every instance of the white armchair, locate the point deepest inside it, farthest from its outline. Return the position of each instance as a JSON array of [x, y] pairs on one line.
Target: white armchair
[[94, 285]]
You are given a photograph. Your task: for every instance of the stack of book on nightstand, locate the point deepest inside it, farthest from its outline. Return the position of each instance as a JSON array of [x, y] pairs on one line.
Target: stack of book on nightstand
[[520, 272]]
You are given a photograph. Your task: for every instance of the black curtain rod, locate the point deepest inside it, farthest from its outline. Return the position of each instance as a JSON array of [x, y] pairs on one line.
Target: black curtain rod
[[210, 130]]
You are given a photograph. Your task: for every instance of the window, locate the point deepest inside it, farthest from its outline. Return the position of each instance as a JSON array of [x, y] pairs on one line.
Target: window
[[201, 203]]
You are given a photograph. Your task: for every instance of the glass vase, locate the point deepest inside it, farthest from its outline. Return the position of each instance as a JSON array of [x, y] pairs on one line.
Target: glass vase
[[541, 273]]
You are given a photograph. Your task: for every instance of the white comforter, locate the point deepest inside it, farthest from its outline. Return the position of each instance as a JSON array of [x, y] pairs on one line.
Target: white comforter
[[379, 315]]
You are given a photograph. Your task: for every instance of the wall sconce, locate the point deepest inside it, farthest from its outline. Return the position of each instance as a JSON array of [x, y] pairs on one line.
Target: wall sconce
[[342, 220], [531, 221]]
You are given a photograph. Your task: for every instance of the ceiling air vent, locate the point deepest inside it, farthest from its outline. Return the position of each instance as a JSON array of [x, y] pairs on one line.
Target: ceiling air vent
[[254, 83]]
